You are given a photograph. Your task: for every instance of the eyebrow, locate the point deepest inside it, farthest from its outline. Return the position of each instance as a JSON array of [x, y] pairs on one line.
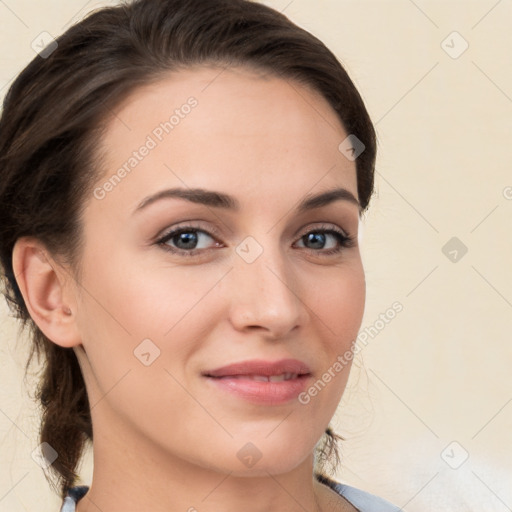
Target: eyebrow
[[227, 202]]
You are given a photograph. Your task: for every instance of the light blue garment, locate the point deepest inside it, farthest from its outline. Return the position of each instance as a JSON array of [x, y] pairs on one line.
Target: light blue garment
[[364, 501], [361, 500]]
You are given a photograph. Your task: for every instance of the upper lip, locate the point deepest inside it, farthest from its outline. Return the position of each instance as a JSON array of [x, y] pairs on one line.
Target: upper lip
[[261, 367]]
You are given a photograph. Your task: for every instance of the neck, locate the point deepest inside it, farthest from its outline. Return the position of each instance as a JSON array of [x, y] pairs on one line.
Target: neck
[[130, 474]]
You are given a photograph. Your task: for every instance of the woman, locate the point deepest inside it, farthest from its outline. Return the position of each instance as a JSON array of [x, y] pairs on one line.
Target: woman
[[205, 376]]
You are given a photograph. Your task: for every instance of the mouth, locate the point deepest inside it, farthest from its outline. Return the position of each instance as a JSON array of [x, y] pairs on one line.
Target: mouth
[[261, 382], [261, 378]]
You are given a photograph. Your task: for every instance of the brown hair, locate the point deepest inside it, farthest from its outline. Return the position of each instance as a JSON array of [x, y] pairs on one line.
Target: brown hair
[[53, 117]]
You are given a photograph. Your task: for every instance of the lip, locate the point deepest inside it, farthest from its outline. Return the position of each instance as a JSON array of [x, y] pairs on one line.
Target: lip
[[237, 379]]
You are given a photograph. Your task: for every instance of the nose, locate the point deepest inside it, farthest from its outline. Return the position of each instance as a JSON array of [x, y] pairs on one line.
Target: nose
[[266, 295]]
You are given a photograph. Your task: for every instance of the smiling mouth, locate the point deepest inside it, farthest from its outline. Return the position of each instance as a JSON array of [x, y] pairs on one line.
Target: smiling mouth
[[262, 382]]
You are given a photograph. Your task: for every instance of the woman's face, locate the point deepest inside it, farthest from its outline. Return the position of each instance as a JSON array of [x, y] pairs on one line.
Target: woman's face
[[159, 316]]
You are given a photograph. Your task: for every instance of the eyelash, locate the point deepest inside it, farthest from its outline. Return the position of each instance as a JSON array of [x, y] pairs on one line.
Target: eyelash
[[344, 241]]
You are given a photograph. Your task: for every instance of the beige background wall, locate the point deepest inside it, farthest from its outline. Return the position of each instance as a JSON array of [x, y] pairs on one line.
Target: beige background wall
[[433, 386]]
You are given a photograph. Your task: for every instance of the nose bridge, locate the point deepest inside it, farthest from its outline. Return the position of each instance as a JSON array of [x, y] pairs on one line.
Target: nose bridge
[[266, 291]]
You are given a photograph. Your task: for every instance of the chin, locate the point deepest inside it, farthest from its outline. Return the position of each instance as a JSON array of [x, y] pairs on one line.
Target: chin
[[265, 455]]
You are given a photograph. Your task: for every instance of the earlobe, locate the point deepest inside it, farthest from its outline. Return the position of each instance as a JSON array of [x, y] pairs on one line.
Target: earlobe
[[42, 284]]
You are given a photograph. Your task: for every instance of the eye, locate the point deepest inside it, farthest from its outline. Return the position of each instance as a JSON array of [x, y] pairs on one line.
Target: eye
[[186, 240], [319, 237]]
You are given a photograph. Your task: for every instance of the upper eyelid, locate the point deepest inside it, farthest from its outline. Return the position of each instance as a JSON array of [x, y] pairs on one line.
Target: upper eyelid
[[190, 226]]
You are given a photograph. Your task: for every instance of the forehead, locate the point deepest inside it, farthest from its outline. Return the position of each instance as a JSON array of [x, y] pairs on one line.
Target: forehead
[[224, 128], [230, 97]]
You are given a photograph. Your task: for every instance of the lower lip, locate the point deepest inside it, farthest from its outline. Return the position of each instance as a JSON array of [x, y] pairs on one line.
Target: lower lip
[[262, 392]]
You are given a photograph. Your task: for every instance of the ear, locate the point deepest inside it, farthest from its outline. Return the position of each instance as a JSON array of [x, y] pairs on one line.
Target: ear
[[42, 283]]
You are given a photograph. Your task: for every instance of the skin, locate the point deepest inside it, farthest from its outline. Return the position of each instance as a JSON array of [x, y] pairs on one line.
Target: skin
[[164, 439]]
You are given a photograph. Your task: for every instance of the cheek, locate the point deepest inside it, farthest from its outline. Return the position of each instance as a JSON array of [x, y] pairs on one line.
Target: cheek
[[336, 300], [129, 301], [337, 311]]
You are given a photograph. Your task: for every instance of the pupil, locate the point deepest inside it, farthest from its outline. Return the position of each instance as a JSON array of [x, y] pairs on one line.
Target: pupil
[[187, 238], [315, 238]]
